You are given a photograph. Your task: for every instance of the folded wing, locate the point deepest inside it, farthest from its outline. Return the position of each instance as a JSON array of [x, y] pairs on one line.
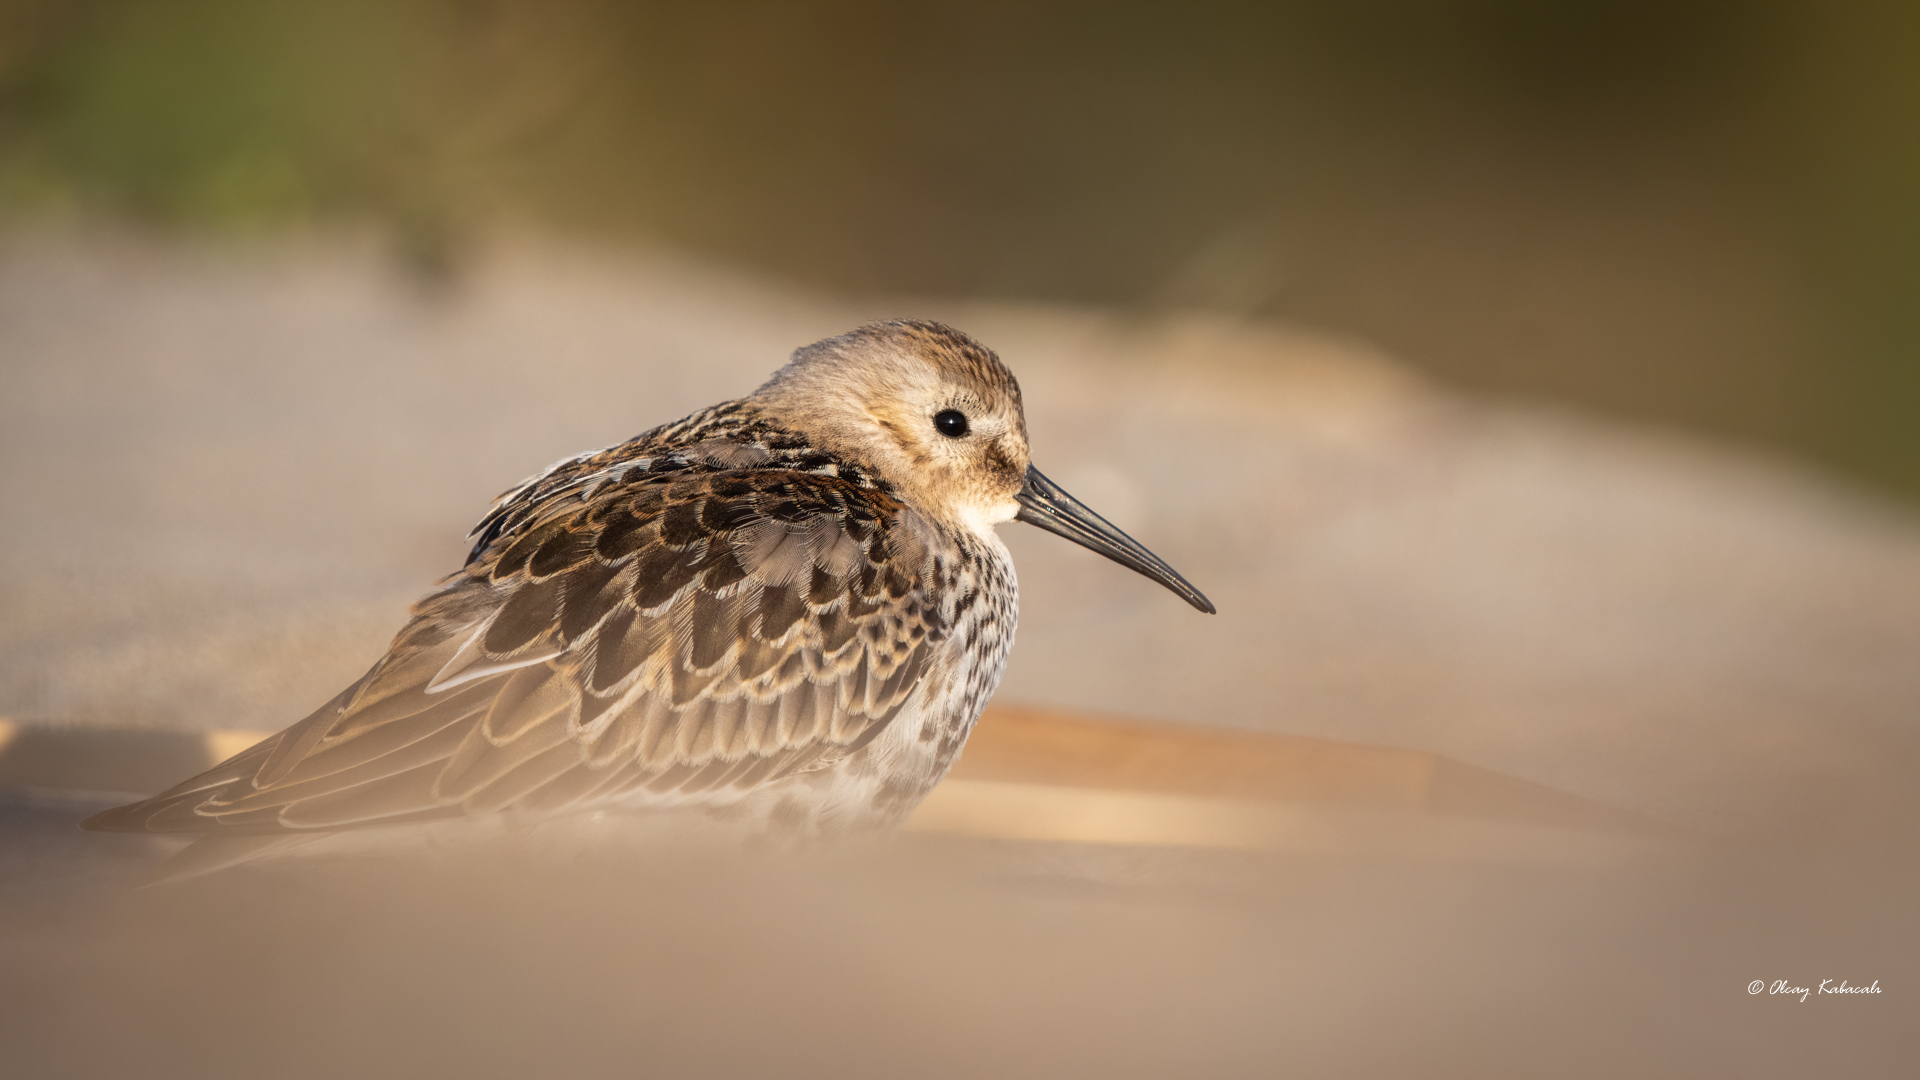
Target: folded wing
[[662, 640]]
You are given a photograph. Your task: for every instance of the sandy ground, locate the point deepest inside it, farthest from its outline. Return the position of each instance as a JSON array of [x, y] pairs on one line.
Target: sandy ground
[[227, 473]]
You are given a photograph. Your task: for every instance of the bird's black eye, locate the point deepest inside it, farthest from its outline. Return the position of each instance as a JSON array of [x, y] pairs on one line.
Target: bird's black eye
[[952, 423]]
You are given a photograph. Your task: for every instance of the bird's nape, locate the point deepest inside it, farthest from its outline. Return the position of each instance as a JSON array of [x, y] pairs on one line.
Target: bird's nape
[[1047, 505]]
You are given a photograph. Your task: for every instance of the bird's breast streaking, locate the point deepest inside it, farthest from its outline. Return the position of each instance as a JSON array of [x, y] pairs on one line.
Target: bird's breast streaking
[[791, 606]]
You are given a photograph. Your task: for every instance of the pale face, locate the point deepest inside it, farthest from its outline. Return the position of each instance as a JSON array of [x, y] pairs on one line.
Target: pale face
[[966, 447], [937, 416]]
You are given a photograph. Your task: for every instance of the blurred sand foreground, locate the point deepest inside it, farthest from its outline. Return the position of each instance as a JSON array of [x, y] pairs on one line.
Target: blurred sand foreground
[[227, 473]]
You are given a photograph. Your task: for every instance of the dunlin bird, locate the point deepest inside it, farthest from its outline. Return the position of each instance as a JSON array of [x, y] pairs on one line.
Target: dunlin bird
[[789, 608]]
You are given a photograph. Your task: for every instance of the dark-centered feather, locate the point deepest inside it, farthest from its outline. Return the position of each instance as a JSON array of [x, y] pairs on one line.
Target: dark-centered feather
[[636, 624]]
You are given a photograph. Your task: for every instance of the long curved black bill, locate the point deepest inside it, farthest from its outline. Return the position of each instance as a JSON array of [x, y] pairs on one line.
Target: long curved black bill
[[1044, 503]]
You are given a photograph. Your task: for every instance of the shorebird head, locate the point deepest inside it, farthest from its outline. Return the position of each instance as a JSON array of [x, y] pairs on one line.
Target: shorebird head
[[938, 416]]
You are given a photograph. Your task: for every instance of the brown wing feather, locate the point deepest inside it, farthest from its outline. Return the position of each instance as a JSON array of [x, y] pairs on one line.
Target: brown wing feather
[[668, 638]]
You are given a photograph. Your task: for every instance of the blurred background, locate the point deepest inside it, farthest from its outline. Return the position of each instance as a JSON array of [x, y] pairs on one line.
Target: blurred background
[[1533, 383], [1697, 212]]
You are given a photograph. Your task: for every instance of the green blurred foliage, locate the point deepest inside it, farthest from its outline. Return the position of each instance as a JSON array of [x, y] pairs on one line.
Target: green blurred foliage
[[1698, 211]]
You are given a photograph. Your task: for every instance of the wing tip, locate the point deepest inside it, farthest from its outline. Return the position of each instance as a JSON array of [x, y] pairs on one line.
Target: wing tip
[[130, 818], [208, 854]]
